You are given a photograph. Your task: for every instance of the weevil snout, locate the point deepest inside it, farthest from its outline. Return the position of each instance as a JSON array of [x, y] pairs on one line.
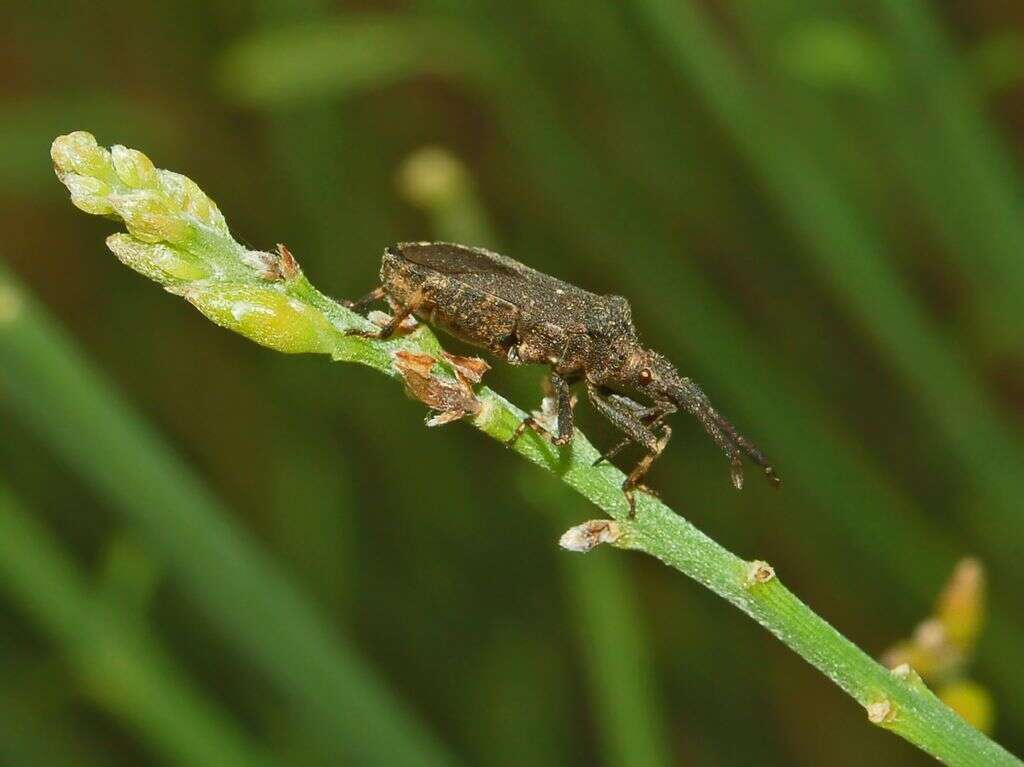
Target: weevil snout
[[660, 381]]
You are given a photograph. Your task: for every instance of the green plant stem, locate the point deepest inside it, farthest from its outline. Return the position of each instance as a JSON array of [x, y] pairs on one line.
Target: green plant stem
[[617, 662], [914, 712], [119, 664]]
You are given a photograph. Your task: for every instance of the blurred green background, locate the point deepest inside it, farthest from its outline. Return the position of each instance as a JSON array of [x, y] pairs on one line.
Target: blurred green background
[[211, 554]]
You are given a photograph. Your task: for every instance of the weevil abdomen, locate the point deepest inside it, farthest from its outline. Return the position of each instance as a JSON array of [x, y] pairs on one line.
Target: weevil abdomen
[[468, 312]]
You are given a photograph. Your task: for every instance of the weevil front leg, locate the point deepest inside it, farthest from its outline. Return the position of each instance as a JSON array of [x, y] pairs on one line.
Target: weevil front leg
[[358, 305], [625, 418], [562, 391], [399, 313]]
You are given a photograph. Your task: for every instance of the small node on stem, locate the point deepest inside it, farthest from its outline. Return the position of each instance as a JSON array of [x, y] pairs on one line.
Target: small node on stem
[[281, 268], [383, 319], [905, 673], [759, 572], [902, 671], [590, 535], [881, 712]]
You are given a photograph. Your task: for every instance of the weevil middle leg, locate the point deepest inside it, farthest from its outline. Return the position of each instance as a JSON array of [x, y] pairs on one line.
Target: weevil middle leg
[[562, 391], [650, 416]]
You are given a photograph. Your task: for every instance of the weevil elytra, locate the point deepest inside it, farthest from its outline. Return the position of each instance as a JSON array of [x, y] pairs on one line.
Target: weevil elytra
[[527, 317]]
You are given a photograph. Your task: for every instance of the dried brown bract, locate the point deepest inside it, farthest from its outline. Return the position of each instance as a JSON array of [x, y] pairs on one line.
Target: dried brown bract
[[590, 535], [451, 400], [282, 267], [469, 369]]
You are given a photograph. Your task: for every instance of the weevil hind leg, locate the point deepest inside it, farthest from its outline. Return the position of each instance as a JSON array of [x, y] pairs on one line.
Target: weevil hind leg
[[634, 481], [562, 391], [626, 415]]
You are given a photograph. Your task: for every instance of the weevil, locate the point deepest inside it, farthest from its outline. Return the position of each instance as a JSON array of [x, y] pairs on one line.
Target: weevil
[[526, 317]]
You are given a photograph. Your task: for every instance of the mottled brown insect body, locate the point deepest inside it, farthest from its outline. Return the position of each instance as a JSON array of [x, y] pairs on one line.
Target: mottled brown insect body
[[525, 316]]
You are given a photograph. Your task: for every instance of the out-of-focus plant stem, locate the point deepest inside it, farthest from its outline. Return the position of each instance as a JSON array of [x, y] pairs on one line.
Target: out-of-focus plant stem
[[266, 298], [120, 665], [239, 590]]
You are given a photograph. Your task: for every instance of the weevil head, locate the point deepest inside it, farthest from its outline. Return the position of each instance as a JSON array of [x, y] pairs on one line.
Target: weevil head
[[648, 375]]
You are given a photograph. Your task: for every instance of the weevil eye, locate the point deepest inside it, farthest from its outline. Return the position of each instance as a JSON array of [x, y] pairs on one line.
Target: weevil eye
[[645, 377]]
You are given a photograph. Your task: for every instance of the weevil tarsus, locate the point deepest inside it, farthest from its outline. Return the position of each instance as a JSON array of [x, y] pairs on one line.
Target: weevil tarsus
[[375, 295]]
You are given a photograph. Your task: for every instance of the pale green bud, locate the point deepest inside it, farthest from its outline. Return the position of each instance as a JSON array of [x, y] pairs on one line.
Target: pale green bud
[[161, 263], [133, 167], [264, 314], [189, 198], [151, 217], [157, 207], [88, 194], [79, 153]]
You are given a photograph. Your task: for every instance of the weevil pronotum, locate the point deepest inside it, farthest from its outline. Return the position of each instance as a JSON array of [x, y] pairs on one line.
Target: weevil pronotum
[[527, 317]]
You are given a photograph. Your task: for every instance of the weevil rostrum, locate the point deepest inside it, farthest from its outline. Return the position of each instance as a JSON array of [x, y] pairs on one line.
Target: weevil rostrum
[[526, 317]]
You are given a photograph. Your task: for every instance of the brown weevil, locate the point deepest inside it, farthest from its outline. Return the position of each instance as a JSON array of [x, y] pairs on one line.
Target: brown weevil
[[527, 317]]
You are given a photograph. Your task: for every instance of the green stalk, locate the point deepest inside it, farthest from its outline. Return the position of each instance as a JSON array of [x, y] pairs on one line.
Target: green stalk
[[121, 666], [617, 661], [183, 243]]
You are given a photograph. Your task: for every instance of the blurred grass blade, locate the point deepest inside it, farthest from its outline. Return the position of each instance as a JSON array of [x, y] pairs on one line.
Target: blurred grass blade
[[979, 187], [305, 62], [239, 589], [120, 666], [852, 259], [30, 739]]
